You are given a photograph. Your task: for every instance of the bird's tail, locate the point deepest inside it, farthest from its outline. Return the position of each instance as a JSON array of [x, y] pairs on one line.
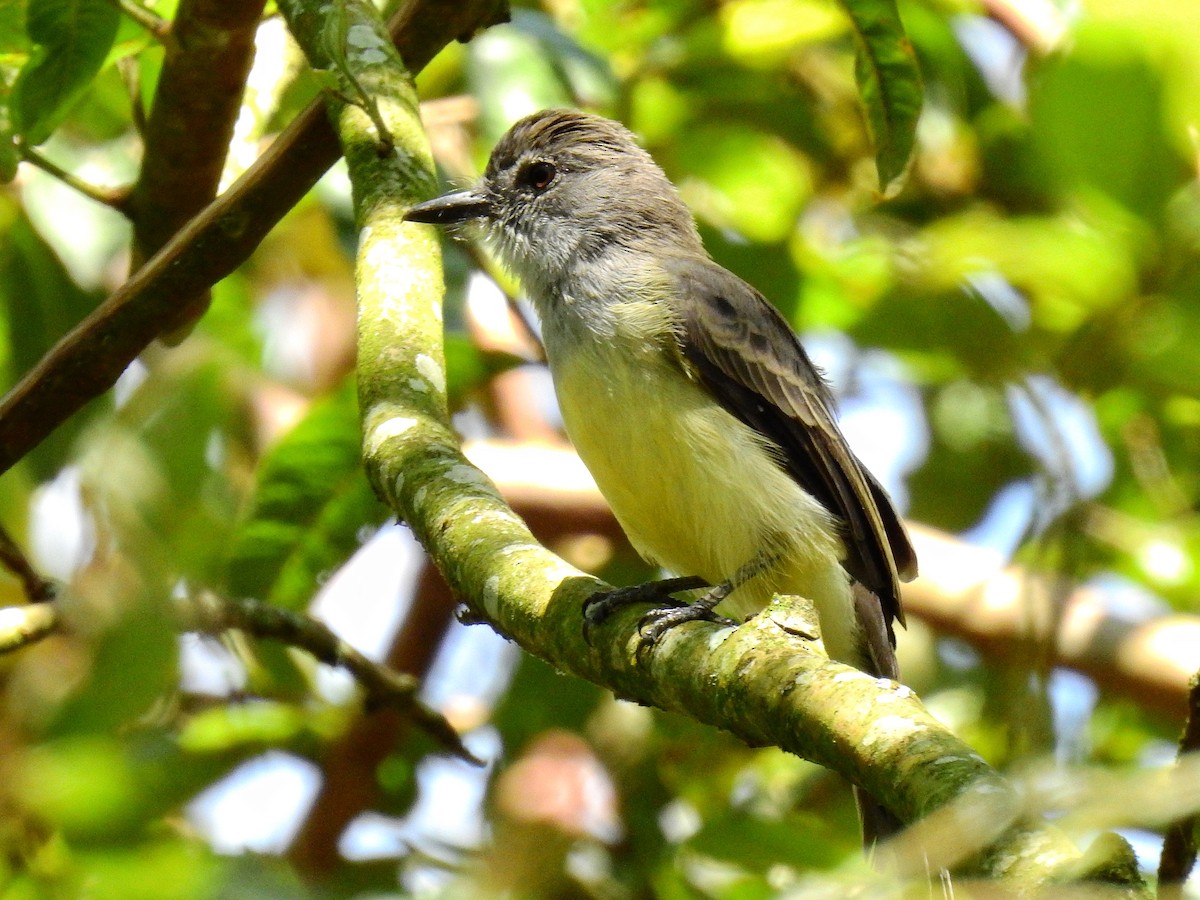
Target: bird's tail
[[878, 824]]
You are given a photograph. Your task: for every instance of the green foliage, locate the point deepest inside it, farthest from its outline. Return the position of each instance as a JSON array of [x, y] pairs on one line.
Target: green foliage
[[41, 302], [944, 217], [887, 74], [309, 509], [72, 39]]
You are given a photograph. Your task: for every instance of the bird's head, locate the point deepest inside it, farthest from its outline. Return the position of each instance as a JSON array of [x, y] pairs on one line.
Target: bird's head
[[564, 188]]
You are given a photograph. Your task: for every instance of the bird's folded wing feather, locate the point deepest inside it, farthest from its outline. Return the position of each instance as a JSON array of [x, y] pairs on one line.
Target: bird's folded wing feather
[[735, 344]]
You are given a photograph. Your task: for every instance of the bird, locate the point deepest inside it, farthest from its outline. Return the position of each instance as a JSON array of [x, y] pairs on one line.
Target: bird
[[690, 399]]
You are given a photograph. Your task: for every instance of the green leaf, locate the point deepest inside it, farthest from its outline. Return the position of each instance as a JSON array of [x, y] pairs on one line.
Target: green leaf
[[757, 844], [83, 784], [745, 179], [309, 507], [9, 158], [161, 867], [890, 82], [255, 723], [134, 664], [73, 38], [1099, 119], [504, 63], [160, 469], [40, 303], [105, 788]]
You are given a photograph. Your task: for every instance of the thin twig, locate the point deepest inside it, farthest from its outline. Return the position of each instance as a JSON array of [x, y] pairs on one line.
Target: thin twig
[[37, 588], [21, 626], [337, 40], [159, 27], [131, 76], [116, 198], [384, 687]]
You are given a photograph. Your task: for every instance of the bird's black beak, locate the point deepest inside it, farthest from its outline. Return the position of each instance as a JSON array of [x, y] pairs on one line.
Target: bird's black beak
[[450, 209]]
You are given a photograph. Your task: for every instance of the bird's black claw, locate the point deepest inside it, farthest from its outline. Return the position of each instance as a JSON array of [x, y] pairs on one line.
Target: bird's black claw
[[602, 604], [657, 622]]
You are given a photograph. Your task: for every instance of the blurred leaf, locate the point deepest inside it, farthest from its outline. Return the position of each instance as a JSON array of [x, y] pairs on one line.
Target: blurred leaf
[[9, 158], [943, 336], [229, 319], [511, 76], [14, 38], [83, 785], [310, 506], [842, 284], [254, 723], [73, 38], [1013, 168], [708, 91], [566, 703], [890, 82], [960, 87], [588, 76], [764, 33], [41, 304], [156, 869], [744, 179], [972, 455], [1099, 119], [251, 876], [757, 844], [397, 780], [158, 473], [134, 663], [1144, 343], [1068, 266], [103, 789]]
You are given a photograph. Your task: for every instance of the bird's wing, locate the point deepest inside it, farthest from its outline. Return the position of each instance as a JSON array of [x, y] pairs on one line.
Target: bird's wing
[[738, 346]]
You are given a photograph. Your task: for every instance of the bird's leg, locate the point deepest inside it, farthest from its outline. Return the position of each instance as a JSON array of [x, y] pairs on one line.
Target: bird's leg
[[603, 604], [657, 622]]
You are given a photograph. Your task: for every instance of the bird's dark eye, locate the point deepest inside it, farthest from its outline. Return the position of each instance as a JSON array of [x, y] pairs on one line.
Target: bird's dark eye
[[538, 175]]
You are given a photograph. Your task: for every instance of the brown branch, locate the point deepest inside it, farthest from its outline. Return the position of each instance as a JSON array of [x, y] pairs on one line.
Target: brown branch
[[1179, 848], [385, 688], [12, 557], [88, 360], [191, 122]]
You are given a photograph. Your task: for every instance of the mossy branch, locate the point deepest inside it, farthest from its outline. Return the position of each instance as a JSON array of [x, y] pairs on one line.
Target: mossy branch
[[760, 681]]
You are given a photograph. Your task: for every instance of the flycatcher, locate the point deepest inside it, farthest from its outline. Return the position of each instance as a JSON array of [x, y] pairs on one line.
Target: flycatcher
[[687, 395]]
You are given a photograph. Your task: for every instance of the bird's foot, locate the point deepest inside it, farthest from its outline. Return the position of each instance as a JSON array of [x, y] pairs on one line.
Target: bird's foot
[[656, 623], [602, 604]]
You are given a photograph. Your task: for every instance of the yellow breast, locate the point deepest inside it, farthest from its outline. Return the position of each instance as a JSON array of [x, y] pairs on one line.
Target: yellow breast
[[695, 490]]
